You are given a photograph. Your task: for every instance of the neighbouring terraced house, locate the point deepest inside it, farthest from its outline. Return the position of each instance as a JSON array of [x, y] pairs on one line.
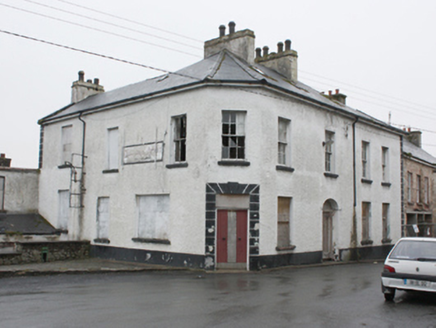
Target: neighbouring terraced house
[[231, 162]]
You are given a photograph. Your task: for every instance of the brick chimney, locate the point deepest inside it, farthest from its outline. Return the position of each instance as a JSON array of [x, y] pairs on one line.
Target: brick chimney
[[4, 162], [81, 89], [415, 137], [240, 43], [284, 61]]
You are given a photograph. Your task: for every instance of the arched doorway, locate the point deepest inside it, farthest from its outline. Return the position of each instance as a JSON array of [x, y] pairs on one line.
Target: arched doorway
[[329, 210]]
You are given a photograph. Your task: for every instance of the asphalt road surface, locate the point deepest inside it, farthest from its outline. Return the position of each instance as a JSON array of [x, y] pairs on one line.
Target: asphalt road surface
[[328, 296]]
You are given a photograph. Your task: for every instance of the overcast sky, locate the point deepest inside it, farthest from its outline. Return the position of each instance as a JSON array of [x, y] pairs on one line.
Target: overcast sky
[[380, 53]]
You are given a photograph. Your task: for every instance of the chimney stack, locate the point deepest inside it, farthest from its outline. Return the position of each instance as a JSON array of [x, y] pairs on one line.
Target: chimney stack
[[283, 62], [337, 96], [240, 43], [4, 162], [415, 137], [81, 89]]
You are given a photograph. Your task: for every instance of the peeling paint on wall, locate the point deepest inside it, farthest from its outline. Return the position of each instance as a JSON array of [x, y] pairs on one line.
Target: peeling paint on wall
[[149, 152]]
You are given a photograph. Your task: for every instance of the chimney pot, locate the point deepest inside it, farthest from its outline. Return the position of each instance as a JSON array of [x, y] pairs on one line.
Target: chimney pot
[[232, 27], [2, 155], [265, 51], [222, 30], [96, 81], [89, 81], [287, 45], [337, 91], [330, 92], [81, 75], [280, 47], [258, 52]]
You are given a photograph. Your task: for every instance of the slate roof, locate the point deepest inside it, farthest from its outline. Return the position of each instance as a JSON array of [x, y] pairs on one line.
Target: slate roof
[[414, 151], [223, 67], [26, 224]]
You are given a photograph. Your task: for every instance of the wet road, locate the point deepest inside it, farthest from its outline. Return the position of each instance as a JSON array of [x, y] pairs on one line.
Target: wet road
[[334, 296]]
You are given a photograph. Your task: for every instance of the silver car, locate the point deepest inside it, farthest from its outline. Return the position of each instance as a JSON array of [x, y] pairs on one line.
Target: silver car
[[411, 265]]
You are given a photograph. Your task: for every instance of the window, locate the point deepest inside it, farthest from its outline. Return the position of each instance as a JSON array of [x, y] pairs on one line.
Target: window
[[153, 218], [102, 219], [409, 186], [64, 209], [329, 151], [365, 160], [283, 222], [2, 193], [112, 149], [366, 215], [426, 190], [283, 142], [66, 140], [179, 139], [233, 135], [385, 164], [385, 223], [418, 189]]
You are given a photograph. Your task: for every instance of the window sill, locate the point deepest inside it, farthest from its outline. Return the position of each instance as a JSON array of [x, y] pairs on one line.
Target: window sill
[[386, 241], [331, 175], [284, 168], [386, 184], [102, 241], [176, 165], [367, 181], [110, 171], [233, 163], [152, 241], [366, 242], [287, 248]]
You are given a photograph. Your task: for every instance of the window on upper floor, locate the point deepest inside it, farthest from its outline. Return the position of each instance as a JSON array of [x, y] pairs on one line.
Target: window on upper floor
[[385, 164], [113, 152], [2, 193], [178, 139], [329, 151], [426, 190], [409, 186], [284, 157], [233, 135], [66, 144], [365, 160], [418, 189]]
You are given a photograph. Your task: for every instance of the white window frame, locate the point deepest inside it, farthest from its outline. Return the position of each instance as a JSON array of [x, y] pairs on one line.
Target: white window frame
[[152, 220], [178, 138], [103, 218], [284, 222], [113, 151], [410, 187], [284, 144], [329, 145], [233, 140], [366, 174], [385, 164], [66, 143]]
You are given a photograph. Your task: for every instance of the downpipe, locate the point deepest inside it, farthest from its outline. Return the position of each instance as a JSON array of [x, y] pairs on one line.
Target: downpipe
[[82, 181]]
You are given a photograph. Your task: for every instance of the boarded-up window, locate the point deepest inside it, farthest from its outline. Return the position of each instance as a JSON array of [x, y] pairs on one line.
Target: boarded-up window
[[179, 138], [112, 149], [366, 215], [66, 140], [233, 135], [329, 151], [283, 222], [385, 221], [365, 160], [153, 216], [385, 164], [64, 209], [283, 142], [2, 193], [103, 218]]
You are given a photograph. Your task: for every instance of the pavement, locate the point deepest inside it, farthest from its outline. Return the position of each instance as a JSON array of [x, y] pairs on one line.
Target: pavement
[[92, 265]]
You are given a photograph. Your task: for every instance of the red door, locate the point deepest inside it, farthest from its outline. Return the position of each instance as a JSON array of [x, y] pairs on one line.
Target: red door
[[232, 237]]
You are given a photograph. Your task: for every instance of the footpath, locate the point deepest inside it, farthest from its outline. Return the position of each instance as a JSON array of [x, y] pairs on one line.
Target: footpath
[[92, 265]]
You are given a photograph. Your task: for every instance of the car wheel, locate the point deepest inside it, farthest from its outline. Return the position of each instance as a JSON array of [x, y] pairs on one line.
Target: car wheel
[[390, 296]]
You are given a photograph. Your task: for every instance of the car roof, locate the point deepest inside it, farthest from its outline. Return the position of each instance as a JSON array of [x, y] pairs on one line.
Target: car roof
[[418, 239]]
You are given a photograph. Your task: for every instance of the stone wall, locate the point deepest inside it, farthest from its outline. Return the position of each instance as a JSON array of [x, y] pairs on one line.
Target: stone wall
[[37, 252]]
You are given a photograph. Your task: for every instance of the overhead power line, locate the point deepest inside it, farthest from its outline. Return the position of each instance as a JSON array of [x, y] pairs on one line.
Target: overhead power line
[[130, 20], [97, 29], [111, 24]]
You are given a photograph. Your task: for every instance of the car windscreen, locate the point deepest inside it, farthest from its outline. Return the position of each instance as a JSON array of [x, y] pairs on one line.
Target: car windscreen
[[414, 250]]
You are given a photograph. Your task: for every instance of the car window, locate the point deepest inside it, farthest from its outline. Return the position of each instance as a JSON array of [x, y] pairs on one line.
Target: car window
[[414, 250]]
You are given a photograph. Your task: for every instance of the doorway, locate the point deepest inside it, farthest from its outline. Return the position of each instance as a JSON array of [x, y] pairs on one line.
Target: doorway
[[231, 239]]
